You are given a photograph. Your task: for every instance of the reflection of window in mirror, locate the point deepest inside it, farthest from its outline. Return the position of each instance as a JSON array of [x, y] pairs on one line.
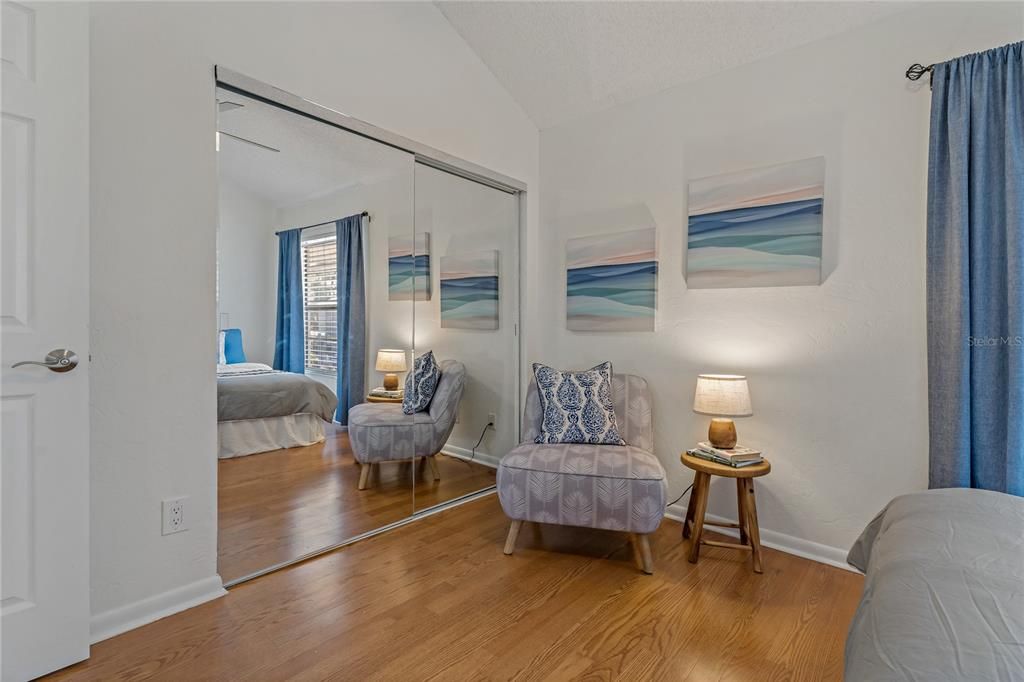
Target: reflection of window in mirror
[[320, 304]]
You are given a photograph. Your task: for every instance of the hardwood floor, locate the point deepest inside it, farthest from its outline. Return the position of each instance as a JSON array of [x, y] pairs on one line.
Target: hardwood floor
[[277, 506], [437, 600]]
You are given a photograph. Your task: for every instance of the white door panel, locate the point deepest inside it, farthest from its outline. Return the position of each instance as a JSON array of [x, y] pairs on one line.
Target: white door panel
[[44, 305]]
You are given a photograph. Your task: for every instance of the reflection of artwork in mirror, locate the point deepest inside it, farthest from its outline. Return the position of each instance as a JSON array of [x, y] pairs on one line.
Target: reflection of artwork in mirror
[[409, 268], [469, 291], [612, 282]]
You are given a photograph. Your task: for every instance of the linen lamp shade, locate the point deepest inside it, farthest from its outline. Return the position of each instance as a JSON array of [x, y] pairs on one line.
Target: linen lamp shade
[[722, 396], [390, 361]]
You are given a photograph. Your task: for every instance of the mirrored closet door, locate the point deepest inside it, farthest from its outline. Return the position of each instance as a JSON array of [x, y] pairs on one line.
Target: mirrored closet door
[[315, 303], [466, 319]]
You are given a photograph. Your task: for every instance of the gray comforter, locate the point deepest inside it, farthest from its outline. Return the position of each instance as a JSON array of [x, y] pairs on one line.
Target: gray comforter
[[943, 591], [259, 394]]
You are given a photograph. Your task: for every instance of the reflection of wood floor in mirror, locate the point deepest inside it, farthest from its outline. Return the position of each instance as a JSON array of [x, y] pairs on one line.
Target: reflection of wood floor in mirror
[[276, 506], [437, 600]]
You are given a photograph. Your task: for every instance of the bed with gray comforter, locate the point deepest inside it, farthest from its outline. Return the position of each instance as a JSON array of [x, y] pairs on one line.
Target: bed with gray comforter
[[254, 391], [943, 590]]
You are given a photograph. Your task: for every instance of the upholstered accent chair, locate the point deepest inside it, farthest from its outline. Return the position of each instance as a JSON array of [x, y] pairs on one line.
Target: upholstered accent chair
[[613, 487], [381, 432]]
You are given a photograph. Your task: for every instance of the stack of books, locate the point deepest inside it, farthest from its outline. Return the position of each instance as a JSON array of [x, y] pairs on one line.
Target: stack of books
[[381, 392], [734, 457]]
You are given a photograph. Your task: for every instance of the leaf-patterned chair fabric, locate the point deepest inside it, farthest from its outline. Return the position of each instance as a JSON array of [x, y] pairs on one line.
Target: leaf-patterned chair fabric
[[381, 432], [595, 486]]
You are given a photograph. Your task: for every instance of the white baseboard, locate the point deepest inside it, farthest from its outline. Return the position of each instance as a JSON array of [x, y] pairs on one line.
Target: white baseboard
[[833, 556], [484, 458], [130, 616]]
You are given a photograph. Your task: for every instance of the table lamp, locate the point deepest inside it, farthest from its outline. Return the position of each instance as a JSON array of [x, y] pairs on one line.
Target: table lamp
[[722, 396], [390, 361]]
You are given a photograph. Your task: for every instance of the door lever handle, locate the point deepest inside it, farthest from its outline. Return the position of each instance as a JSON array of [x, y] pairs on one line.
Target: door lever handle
[[59, 360]]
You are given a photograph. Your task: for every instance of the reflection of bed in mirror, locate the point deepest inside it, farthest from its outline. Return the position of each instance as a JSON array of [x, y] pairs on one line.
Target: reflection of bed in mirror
[[261, 409]]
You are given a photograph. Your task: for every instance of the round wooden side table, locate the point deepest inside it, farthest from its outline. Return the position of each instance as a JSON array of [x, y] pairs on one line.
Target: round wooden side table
[[693, 525]]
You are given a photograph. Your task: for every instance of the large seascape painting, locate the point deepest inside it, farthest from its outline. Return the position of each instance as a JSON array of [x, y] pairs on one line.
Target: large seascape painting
[[409, 268], [757, 228], [469, 291], [612, 282]]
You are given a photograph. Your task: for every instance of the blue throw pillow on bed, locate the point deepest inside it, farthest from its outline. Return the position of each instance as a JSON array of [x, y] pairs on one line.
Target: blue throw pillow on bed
[[231, 352], [421, 383]]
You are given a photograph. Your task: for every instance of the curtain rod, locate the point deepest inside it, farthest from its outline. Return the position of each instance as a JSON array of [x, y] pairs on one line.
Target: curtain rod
[[326, 222], [916, 71]]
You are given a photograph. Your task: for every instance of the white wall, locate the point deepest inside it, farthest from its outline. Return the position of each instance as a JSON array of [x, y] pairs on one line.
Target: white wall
[[154, 215], [837, 371], [247, 269]]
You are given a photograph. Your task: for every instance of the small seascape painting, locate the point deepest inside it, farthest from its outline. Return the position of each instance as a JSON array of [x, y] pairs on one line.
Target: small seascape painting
[[469, 291], [612, 281], [409, 268], [757, 228]]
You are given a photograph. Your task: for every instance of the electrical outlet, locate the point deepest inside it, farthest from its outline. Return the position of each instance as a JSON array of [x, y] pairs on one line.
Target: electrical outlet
[[173, 515], [493, 419]]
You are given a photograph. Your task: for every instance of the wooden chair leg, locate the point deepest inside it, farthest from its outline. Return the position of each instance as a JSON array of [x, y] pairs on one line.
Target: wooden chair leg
[[364, 476], [433, 468], [513, 535], [741, 509], [700, 489], [750, 503], [647, 561], [634, 543], [691, 506]]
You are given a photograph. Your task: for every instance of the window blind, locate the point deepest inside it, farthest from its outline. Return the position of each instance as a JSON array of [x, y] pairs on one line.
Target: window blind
[[320, 303]]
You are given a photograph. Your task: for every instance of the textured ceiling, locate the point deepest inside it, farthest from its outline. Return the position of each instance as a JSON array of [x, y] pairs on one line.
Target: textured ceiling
[[315, 159], [562, 60]]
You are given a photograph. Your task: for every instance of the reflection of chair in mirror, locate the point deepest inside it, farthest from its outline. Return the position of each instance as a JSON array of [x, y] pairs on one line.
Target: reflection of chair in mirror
[[381, 432], [612, 487]]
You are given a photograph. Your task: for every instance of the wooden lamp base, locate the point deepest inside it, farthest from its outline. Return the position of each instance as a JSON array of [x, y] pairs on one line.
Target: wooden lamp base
[[722, 433], [390, 382]]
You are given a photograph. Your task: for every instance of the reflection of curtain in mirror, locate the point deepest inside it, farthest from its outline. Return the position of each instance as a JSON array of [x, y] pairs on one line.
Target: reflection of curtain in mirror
[[351, 316], [289, 348]]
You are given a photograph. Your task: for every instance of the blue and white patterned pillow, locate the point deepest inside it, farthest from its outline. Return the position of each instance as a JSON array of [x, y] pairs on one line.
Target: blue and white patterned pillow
[[577, 406], [420, 383]]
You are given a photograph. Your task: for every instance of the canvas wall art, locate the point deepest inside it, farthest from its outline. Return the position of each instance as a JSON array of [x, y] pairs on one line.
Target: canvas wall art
[[469, 291], [757, 228], [612, 281], [409, 268]]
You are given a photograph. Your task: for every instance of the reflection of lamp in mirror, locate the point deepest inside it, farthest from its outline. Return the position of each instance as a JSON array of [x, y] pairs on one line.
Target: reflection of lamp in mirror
[[722, 396], [391, 361]]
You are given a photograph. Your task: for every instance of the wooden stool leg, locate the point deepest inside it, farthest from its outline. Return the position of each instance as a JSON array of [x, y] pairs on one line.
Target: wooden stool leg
[[741, 509], [691, 505], [513, 535], [752, 529], [364, 476], [700, 489]]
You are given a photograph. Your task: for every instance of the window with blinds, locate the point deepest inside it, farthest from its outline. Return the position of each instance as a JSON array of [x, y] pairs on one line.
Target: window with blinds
[[320, 303]]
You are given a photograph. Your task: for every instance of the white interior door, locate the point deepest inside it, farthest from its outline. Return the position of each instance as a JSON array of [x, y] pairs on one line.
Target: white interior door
[[44, 287]]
